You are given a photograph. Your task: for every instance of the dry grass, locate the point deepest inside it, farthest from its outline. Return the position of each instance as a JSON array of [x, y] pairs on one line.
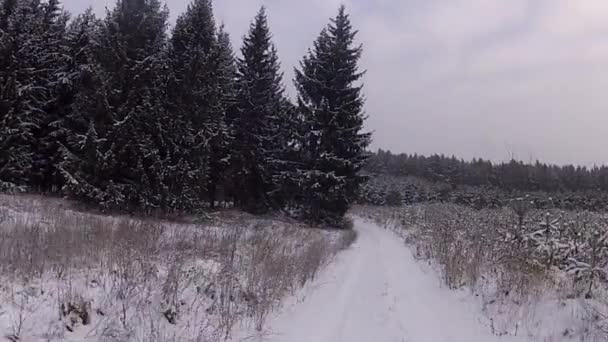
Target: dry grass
[[119, 278]]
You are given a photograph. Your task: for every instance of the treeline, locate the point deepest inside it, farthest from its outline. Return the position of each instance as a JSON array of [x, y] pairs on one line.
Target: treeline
[[510, 176], [385, 190], [120, 113]]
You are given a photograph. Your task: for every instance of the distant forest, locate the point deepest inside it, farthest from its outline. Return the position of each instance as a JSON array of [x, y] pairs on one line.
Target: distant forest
[[512, 175], [412, 178]]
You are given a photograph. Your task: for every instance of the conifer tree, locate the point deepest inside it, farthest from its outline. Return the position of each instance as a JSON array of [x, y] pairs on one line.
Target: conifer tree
[[84, 166], [134, 40], [260, 104], [197, 96], [134, 164], [223, 139], [54, 78], [16, 119], [31, 106], [331, 104]]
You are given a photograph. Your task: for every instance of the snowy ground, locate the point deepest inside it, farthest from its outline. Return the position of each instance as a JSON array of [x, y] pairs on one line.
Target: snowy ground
[[54, 262], [376, 291], [69, 275]]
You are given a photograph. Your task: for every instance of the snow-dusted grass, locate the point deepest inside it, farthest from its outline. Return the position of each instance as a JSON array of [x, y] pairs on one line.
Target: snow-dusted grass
[[67, 275], [544, 279]]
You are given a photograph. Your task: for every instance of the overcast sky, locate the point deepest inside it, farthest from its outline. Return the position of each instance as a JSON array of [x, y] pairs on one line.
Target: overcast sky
[[473, 78]]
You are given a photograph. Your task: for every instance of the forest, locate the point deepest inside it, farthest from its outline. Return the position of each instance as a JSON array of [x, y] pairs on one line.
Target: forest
[[123, 113], [411, 178]]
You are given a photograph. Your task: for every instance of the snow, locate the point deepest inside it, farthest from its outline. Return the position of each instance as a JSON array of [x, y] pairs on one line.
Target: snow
[[377, 291], [255, 262]]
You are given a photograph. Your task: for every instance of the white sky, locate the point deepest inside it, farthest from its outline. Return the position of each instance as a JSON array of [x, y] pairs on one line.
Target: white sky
[[474, 78]]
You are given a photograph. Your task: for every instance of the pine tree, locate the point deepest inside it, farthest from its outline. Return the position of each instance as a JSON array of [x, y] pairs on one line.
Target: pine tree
[[83, 166], [134, 38], [331, 104], [197, 95], [260, 104], [31, 105], [53, 77], [221, 142], [127, 122], [16, 123]]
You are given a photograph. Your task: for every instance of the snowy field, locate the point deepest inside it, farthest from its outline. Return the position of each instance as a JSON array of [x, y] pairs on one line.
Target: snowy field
[[67, 275], [544, 280]]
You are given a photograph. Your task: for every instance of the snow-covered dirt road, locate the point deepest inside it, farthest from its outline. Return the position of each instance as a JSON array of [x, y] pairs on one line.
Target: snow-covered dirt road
[[377, 292]]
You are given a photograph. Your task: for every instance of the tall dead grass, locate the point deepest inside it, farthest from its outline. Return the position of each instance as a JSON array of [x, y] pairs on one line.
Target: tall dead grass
[[119, 278]]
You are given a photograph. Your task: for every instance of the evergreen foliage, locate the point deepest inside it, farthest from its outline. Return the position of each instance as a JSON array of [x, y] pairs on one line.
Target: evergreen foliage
[[331, 104], [83, 164], [194, 96], [126, 130], [226, 111], [260, 106], [510, 176], [117, 113], [31, 92]]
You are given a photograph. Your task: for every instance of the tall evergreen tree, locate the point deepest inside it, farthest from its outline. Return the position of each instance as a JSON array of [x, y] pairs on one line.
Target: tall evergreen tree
[[84, 166], [16, 118], [31, 107], [134, 38], [223, 139], [192, 44], [54, 78], [129, 132], [260, 104], [199, 95], [331, 104]]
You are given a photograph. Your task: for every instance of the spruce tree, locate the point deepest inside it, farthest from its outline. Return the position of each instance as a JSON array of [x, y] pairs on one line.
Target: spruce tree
[[84, 165], [31, 105], [260, 104], [16, 120], [221, 142], [128, 127], [134, 41], [197, 96], [54, 78], [331, 104]]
